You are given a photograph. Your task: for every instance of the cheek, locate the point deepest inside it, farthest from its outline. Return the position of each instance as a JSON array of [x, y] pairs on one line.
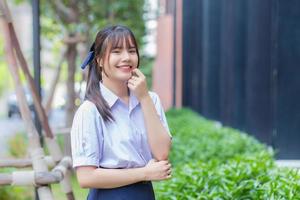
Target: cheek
[[136, 60], [107, 66], [112, 60]]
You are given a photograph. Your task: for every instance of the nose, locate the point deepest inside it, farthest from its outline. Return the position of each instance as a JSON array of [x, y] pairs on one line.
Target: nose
[[125, 55]]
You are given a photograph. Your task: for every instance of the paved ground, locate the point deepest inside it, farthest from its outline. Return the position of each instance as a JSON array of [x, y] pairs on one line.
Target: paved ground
[[288, 163], [11, 126]]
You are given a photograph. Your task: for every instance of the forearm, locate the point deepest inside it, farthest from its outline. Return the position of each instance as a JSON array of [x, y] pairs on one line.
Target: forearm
[[158, 137], [90, 177]]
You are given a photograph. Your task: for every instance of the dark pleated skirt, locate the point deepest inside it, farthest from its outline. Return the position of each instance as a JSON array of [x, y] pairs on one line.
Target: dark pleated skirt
[[140, 190]]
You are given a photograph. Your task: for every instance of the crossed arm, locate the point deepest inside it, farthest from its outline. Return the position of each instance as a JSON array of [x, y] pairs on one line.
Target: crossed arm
[[92, 177], [159, 169]]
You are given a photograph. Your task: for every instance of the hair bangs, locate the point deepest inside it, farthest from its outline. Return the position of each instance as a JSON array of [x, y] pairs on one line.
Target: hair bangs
[[118, 39]]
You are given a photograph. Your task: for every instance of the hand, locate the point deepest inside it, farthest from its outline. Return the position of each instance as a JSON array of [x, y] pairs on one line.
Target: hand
[[138, 85], [158, 170]]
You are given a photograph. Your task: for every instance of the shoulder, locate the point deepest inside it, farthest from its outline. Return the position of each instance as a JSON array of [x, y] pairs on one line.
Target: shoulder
[[154, 97], [156, 100], [87, 108], [85, 116]]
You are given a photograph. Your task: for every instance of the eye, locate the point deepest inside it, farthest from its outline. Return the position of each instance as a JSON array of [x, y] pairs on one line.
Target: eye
[[116, 51], [132, 51]]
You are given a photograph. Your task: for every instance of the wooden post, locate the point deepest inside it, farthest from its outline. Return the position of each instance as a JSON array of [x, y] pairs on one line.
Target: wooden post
[[34, 178], [37, 153], [25, 162], [39, 165]]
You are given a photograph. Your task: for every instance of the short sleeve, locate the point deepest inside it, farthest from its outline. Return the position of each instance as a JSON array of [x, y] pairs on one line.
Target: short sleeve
[[86, 136], [160, 111]]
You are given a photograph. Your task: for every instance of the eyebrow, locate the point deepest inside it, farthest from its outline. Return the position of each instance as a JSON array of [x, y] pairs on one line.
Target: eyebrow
[[121, 47]]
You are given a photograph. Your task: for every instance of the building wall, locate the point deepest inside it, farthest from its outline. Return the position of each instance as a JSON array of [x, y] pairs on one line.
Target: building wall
[[163, 67], [167, 70]]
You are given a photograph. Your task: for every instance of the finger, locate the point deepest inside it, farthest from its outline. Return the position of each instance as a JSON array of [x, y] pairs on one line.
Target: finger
[[168, 168], [132, 82], [163, 162], [169, 172], [134, 74], [152, 161], [169, 176], [130, 86], [134, 78], [166, 161], [138, 72]]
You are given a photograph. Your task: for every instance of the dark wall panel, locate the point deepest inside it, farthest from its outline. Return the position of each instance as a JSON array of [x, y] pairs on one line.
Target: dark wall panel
[[211, 58], [241, 67], [288, 118], [192, 58], [232, 63], [258, 71]]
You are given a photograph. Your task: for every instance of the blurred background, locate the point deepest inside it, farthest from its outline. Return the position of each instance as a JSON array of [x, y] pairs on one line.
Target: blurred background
[[233, 62], [236, 62], [67, 29]]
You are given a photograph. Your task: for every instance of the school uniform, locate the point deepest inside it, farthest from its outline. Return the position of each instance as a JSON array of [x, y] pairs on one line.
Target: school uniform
[[119, 144]]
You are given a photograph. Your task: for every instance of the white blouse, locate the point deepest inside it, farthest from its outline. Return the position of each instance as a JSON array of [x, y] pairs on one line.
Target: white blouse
[[118, 144]]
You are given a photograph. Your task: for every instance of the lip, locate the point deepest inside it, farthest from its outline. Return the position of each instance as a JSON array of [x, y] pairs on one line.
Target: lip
[[125, 68]]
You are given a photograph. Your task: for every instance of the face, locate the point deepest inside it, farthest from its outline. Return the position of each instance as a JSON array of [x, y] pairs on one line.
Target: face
[[119, 62]]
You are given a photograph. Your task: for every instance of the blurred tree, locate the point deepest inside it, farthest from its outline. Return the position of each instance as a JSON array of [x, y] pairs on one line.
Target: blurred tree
[[5, 81], [79, 21], [75, 22]]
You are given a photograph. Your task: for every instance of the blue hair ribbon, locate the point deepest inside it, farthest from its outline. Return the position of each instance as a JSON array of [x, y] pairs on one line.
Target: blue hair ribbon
[[87, 59]]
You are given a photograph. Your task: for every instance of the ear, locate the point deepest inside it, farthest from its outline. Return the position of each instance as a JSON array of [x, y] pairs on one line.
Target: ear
[[100, 62]]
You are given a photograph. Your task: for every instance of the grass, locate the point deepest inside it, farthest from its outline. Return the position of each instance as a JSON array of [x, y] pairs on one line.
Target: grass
[[78, 192]]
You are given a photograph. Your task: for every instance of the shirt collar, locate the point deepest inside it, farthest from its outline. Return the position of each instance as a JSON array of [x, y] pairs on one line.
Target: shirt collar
[[133, 101], [111, 98]]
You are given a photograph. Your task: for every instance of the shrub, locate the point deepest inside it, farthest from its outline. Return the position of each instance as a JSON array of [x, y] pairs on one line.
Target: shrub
[[215, 162], [196, 138], [250, 177], [18, 145]]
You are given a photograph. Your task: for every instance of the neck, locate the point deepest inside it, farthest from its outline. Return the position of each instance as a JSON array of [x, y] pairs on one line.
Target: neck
[[118, 87]]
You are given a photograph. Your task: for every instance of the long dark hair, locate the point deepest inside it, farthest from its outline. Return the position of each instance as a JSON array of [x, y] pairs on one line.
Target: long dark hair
[[106, 40]]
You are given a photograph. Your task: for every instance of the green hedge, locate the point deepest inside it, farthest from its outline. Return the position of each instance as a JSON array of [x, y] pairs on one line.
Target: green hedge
[[196, 138], [240, 178], [215, 162]]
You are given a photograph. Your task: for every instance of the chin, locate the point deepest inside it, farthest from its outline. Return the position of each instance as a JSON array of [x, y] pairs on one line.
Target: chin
[[124, 77]]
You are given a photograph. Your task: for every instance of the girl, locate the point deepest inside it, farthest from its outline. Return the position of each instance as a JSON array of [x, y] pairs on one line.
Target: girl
[[120, 137]]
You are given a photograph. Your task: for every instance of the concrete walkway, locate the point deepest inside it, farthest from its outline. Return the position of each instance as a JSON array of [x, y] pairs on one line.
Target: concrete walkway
[[288, 163]]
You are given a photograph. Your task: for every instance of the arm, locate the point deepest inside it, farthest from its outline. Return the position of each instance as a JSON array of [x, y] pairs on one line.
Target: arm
[[158, 137], [92, 177]]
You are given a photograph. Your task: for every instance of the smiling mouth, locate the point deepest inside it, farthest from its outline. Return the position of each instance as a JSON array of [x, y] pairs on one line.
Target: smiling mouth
[[125, 66]]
